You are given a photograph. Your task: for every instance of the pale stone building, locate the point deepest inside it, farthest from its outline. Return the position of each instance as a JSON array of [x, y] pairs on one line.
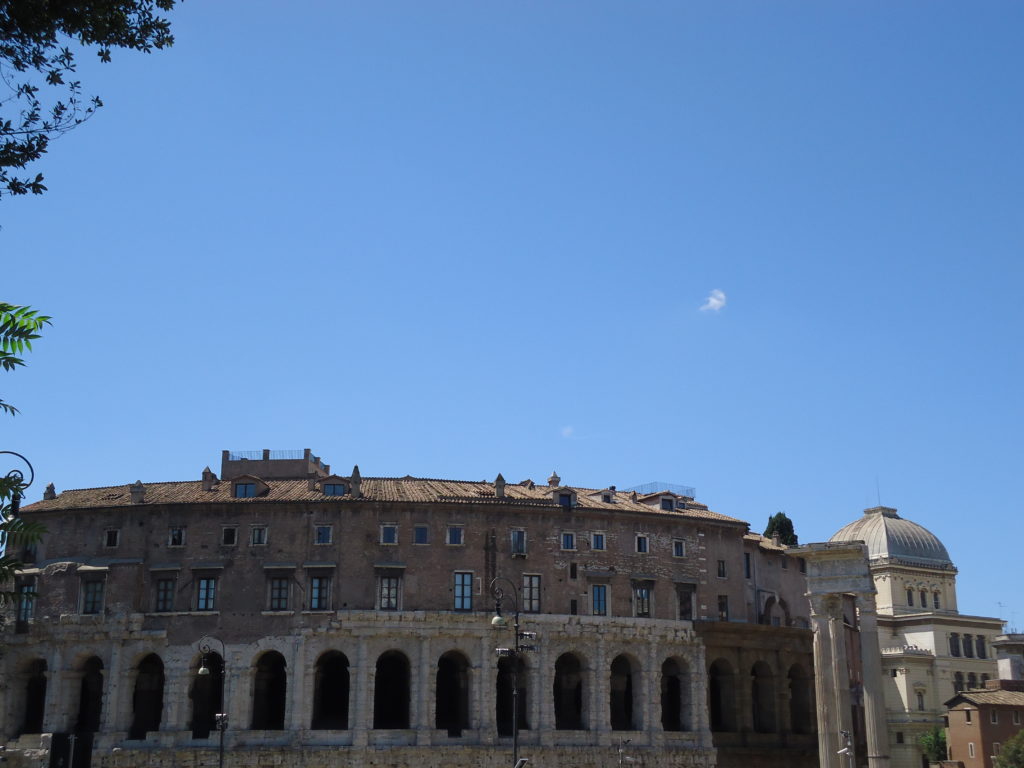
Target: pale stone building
[[929, 649], [299, 617]]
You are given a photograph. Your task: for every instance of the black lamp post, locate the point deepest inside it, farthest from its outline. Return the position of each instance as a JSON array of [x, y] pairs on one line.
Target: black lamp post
[[499, 622], [220, 719], [19, 484]]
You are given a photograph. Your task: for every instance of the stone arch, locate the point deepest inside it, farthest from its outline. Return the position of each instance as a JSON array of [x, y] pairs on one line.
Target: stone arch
[[35, 676], [90, 697], [801, 700], [148, 697], [623, 687], [512, 673], [786, 618], [762, 698], [722, 696], [675, 695], [269, 692], [451, 692], [331, 692], [206, 693], [568, 691], [767, 613], [391, 691]]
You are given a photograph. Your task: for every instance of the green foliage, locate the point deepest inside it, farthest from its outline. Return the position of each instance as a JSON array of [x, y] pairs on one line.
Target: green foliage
[[933, 744], [18, 327], [1012, 753], [43, 100], [781, 526], [15, 533]]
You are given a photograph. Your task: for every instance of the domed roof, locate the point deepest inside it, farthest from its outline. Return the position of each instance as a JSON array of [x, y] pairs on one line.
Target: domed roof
[[890, 537]]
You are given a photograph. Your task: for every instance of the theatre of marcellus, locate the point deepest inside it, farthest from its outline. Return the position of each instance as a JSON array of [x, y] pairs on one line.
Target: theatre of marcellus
[[281, 614]]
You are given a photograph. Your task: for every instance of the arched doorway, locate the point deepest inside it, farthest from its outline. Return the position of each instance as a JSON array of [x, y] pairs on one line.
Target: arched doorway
[[722, 696], [148, 697], [622, 694], [801, 708], [269, 692], [90, 697], [503, 695], [675, 696], [35, 697], [330, 692], [568, 693], [762, 698], [207, 694], [391, 691], [452, 694]]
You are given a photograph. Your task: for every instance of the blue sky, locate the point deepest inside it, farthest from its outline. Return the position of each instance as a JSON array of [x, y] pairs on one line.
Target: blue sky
[[450, 239]]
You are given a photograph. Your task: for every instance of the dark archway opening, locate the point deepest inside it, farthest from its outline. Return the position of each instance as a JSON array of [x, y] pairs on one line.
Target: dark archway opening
[[270, 688], [391, 691], [207, 696], [722, 696], [330, 692], [452, 691], [622, 695], [90, 698], [801, 710], [762, 698], [148, 698], [503, 690], [568, 693], [675, 696], [35, 697]]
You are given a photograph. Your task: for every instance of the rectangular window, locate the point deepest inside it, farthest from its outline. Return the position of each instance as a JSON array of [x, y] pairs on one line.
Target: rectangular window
[[668, 504], [26, 600], [979, 641], [685, 599], [518, 542], [996, 748], [574, 607], [970, 749], [599, 600], [176, 537], [320, 593], [803, 565], [910, 597], [954, 644], [245, 490], [92, 597], [389, 592], [388, 533], [258, 536], [565, 499], [924, 599], [678, 548], [111, 537], [968, 644], [420, 534], [723, 607], [568, 541], [334, 489], [454, 536], [899, 737], [531, 593], [606, 498], [642, 544], [164, 595], [642, 599], [279, 593], [747, 568], [785, 563], [323, 534], [597, 541], [935, 600], [206, 594], [994, 717], [463, 591], [228, 536], [967, 714], [1016, 717], [721, 569]]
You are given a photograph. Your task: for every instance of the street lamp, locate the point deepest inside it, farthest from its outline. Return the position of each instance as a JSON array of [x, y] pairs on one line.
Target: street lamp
[[221, 718], [500, 622], [18, 484]]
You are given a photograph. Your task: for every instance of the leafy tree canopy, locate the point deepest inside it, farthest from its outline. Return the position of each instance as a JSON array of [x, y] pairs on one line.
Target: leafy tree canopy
[[39, 97], [18, 327], [933, 745], [781, 526], [1012, 753]]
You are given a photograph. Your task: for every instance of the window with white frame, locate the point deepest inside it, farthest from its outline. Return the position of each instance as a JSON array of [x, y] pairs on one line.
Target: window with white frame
[[388, 533], [463, 589], [389, 590], [597, 541], [994, 716], [206, 593], [678, 548], [323, 534], [1016, 717], [454, 535], [258, 536], [643, 543], [568, 540], [970, 749], [319, 592], [420, 534], [599, 599], [518, 541]]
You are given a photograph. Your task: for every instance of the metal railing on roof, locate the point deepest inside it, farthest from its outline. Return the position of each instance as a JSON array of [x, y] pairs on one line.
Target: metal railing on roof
[[657, 486], [257, 455]]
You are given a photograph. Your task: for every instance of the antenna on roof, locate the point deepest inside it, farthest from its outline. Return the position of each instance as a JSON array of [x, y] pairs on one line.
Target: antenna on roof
[[878, 491]]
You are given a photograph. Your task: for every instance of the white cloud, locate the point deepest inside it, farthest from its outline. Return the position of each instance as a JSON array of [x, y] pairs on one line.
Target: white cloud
[[567, 432], [714, 302]]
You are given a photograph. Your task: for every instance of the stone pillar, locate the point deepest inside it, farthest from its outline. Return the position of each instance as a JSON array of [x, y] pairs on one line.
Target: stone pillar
[[361, 696], [485, 694], [545, 679], [113, 678], [296, 715], [56, 692], [423, 715], [874, 696], [176, 712], [650, 690], [744, 699], [825, 681], [600, 717]]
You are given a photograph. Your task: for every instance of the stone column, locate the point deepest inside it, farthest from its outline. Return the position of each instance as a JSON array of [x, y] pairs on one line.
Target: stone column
[[485, 694], [600, 716], [175, 714], [423, 717], [874, 697], [360, 685], [825, 681], [544, 679], [113, 677], [56, 692], [650, 690]]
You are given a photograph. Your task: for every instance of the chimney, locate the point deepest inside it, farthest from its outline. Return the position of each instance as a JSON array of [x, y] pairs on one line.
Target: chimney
[[554, 481], [499, 486], [50, 492], [138, 492], [356, 481], [209, 479]]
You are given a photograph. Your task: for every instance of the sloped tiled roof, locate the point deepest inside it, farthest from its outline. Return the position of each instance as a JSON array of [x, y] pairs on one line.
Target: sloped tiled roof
[[989, 698], [385, 489]]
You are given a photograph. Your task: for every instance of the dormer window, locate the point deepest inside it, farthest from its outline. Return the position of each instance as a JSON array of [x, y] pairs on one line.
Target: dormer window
[[668, 503], [335, 489], [245, 490], [565, 499], [606, 498]]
